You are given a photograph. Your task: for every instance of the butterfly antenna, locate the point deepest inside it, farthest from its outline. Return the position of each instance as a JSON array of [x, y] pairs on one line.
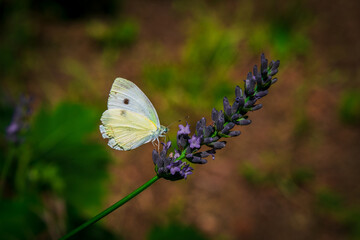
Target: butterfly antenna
[[173, 123], [178, 121]]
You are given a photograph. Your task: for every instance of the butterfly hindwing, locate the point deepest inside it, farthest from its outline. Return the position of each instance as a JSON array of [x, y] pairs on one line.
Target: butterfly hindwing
[[127, 96], [126, 129]]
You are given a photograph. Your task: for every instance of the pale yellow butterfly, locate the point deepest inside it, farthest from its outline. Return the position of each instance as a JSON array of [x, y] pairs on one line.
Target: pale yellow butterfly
[[130, 120]]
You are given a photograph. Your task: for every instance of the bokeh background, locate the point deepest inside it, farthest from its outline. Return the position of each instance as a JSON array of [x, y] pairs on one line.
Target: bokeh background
[[292, 174]]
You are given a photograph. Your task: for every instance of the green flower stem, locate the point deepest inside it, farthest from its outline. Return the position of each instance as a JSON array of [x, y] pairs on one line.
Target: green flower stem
[[111, 208]]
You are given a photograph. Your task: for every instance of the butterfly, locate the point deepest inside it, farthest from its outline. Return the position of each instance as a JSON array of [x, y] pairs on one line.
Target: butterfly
[[130, 120]]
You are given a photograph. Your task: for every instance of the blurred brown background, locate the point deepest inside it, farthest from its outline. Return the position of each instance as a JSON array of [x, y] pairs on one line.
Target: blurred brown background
[[292, 174]]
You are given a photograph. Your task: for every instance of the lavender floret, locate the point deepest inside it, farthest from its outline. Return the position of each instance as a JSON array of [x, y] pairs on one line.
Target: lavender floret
[[184, 130], [195, 142]]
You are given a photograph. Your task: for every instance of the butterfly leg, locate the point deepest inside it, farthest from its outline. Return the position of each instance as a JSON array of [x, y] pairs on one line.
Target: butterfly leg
[[153, 143], [158, 143]]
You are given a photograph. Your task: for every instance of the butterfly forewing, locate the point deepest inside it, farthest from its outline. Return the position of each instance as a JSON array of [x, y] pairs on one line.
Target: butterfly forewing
[[127, 96]]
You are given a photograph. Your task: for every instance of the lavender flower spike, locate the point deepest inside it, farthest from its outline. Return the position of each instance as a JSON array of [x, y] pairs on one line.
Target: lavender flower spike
[[176, 165]]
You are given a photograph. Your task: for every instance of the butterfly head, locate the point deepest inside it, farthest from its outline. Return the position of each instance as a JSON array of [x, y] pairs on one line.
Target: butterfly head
[[163, 130]]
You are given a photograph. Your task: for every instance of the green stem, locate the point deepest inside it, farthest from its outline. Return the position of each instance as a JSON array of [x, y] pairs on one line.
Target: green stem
[[7, 164], [111, 208]]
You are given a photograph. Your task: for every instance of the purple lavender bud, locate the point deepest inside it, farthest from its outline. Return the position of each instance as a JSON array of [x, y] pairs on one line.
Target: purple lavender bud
[[241, 101], [271, 64], [189, 155], [210, 139], [261, 94], [182, 141], [160, 170], [195, 142], [267, 80], [235, 106], [273, 72], [163, 152], [166, 161], [155, 157], [274, 80], [250, 103], [236, 117], [256, 107], [227, 107], [202, 154], [228, 127], [243, 122], [275, 65], [214, 115], [212, 153], [188, 150], [208, 131], [234, 133], [200, 125], [264, 65], [249, 85], [258, 79], [217, 145], [238, 92], [255, 70], [220, 122], [184, 130], [203, 122], [198, 160]]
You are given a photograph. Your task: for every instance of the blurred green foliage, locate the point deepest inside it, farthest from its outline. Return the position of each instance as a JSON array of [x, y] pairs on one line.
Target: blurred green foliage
[[57, 157], [331, 205], [112, 37], [288, 182], [349, 107], [175, 230], [19, 219], [202, 76], [117, 34], [285, 33]]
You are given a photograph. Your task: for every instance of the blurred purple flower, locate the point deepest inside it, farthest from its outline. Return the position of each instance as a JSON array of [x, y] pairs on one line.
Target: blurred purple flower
[[19, 120]]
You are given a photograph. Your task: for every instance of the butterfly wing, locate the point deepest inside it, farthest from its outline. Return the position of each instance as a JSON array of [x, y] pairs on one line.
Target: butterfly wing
[[126, 129], [126, 95]]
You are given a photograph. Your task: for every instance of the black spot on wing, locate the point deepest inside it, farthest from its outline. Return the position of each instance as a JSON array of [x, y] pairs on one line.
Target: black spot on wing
[[126, 101]]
